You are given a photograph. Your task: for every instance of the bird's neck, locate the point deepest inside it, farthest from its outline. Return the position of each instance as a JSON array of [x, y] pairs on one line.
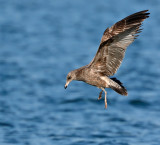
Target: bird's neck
[[80, 74]]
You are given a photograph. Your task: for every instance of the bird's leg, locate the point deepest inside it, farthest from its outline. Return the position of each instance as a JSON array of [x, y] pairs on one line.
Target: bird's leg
[[105, 99], [100, 95]]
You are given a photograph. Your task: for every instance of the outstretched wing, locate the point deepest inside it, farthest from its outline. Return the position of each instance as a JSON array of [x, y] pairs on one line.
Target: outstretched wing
[[114, 42]]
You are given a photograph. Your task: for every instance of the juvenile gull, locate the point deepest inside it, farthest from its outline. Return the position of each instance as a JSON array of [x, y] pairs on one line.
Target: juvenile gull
[[109, 56]]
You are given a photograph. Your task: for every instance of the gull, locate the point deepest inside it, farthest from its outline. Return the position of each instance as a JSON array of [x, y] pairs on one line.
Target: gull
[[109, 56]]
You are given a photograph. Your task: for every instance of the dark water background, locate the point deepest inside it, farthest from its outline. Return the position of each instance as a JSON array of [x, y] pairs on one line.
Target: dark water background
[[41, 41]]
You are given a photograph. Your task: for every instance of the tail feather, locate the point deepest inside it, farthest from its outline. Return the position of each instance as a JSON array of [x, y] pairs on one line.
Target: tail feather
[[117, 86]]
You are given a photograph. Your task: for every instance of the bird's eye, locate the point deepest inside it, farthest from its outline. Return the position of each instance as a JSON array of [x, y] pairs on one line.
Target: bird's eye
[[69, 77]]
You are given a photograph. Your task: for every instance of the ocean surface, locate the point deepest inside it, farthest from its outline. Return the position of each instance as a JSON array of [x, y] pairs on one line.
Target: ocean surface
[[41, 41]]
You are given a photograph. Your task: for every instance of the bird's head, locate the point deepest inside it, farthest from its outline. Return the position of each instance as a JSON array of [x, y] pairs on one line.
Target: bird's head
[[70, 77]]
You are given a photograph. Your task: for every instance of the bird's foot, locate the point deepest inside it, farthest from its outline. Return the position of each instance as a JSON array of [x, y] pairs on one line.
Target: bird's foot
[[105, 105], [100, 95]]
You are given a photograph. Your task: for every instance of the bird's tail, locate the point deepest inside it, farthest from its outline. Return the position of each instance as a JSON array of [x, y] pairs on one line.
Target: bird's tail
[[117, 86]]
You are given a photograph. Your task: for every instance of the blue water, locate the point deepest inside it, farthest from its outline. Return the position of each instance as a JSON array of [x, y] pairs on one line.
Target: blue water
[[41, 41]]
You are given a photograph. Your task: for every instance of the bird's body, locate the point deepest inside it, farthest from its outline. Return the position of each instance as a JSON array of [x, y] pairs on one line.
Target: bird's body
[[109, 56], [88, 76]]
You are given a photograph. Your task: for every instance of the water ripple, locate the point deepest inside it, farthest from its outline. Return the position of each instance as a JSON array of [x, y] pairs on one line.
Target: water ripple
[[41, 41]]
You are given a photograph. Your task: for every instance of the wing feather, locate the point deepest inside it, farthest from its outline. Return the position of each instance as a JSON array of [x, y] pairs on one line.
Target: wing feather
[[124, 24], [114, 42]]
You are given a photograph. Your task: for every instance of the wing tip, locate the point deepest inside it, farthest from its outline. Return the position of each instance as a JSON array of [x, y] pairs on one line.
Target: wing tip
[[136, 18]]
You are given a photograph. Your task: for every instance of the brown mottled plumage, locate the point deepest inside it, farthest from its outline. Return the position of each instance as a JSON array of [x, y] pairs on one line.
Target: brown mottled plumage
[[110, 54]]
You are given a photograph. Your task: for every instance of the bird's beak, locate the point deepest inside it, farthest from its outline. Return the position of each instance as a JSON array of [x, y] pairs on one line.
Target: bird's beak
[[66, 85]]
